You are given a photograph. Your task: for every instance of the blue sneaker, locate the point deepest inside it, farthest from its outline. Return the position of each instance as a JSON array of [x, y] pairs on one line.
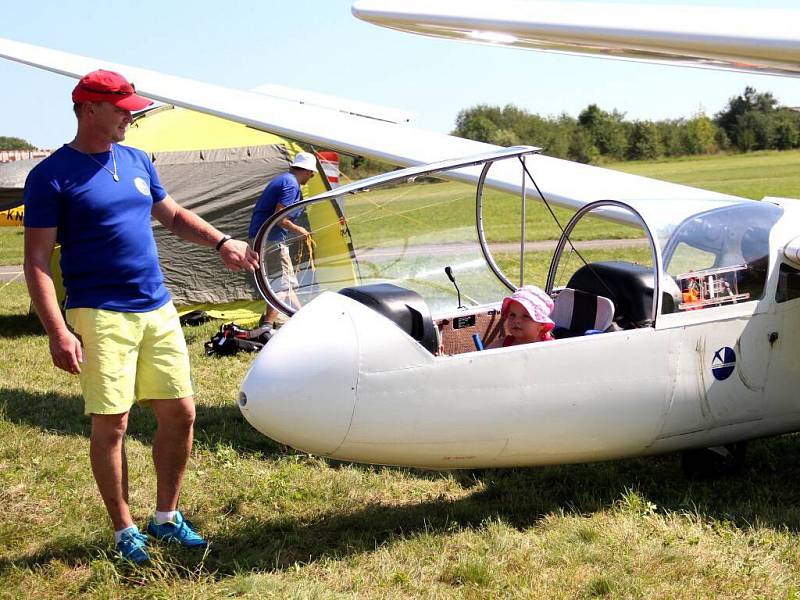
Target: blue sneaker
[[131, 546], [180, 530]]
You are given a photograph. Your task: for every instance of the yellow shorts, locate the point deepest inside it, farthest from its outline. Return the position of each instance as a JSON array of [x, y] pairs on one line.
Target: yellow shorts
[[130, 357]]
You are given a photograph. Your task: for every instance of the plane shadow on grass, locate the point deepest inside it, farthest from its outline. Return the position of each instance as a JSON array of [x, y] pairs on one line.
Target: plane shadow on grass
[[16, 326], [70, 552], [762, 495], [61, 413]]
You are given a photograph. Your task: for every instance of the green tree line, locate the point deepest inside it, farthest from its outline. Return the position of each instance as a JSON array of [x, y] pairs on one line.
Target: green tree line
[[751, 121], [15, 143]]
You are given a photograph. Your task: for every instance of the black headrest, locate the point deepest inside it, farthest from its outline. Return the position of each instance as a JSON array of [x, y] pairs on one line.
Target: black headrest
[[405, 308], [629, 286]]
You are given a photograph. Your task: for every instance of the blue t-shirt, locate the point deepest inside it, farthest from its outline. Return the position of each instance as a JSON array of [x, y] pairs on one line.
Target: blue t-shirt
[[109, 258], [284, 190]]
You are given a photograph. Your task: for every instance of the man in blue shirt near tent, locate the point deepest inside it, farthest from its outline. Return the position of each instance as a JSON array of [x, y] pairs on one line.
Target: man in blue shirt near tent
[[121, 336], [283, 191]]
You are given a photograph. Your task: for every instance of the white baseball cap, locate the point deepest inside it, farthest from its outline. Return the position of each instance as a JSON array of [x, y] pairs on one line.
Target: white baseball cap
[[305, 160]]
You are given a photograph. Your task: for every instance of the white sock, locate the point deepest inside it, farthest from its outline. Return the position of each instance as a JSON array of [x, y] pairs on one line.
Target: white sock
[[130, 529], [167, 516]]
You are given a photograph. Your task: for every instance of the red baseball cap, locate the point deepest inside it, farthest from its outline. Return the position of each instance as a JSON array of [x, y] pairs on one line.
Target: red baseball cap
[[108, 86]]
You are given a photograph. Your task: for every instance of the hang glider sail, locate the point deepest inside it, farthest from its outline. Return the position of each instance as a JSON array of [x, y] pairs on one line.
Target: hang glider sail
[[758, 40], [564, 183]]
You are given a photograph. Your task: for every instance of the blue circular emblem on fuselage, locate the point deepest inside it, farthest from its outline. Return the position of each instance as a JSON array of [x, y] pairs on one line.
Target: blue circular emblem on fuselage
[[723, 363]]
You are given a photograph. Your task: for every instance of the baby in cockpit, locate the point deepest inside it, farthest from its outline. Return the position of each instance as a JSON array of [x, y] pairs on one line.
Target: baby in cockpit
[[526, 315]]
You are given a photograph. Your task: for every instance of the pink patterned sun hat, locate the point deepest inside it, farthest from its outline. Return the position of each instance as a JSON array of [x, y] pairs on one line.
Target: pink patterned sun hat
[[534, 300]]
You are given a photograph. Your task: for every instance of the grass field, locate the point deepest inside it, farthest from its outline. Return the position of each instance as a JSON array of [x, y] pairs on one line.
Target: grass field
[[752, 175], [288, 525], [10, 245]]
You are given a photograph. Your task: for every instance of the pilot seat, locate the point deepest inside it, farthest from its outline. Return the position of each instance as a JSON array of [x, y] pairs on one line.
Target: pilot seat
[[576, 313], [629, 286]]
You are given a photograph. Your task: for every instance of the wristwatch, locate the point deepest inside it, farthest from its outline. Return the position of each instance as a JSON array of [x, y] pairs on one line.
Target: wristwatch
[[222, 241]]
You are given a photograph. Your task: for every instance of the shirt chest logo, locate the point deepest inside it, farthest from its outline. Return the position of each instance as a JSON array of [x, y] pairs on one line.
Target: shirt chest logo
[[142, 186]]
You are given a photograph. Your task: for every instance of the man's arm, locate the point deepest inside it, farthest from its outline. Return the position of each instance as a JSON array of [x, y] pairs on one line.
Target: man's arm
[[65, 348], [290, 225], [184, 223]]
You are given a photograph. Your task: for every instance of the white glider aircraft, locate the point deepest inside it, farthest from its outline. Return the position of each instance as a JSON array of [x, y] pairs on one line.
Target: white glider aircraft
[[699, 323], [696, 292], [693, 308]]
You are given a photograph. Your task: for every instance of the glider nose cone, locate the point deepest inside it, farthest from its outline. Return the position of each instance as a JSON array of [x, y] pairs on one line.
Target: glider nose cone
[[301, 388]]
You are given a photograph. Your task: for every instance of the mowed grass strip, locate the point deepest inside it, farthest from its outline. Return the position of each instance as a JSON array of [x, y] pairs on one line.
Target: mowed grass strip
[[753, 175], [288, 525]]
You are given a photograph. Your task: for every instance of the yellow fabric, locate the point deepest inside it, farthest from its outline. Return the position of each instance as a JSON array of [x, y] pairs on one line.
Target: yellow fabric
[[12, 217], [329, 237], [241, 311], [58, 279], [170, 129], [331, 247], [130, 357]]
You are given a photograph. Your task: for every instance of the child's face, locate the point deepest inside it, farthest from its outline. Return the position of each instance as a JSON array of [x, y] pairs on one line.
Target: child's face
[[520, 324]]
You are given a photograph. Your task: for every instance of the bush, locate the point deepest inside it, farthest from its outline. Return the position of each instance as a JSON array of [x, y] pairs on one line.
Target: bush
[[15, 143], [581, 148], [644, 142], [701, 136]]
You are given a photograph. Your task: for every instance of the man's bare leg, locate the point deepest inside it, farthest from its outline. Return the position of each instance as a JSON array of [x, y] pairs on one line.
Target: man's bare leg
[[171, 448], [269, 316], [293, 299], [110, 465]]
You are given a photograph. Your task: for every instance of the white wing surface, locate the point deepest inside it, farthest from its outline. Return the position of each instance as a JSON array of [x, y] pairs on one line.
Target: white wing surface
[[563, 182], [360, 109], [746, 39]]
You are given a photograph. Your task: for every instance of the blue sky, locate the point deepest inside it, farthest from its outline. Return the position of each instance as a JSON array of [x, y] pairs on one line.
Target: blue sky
[[318, 45]]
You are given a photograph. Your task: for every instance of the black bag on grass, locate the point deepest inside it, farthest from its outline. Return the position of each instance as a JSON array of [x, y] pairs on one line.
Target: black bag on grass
[[231, 339], [195, 318]]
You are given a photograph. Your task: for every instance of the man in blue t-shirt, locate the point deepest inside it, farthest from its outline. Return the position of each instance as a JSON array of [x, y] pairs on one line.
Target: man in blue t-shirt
[[280, 193], [121, 336]]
